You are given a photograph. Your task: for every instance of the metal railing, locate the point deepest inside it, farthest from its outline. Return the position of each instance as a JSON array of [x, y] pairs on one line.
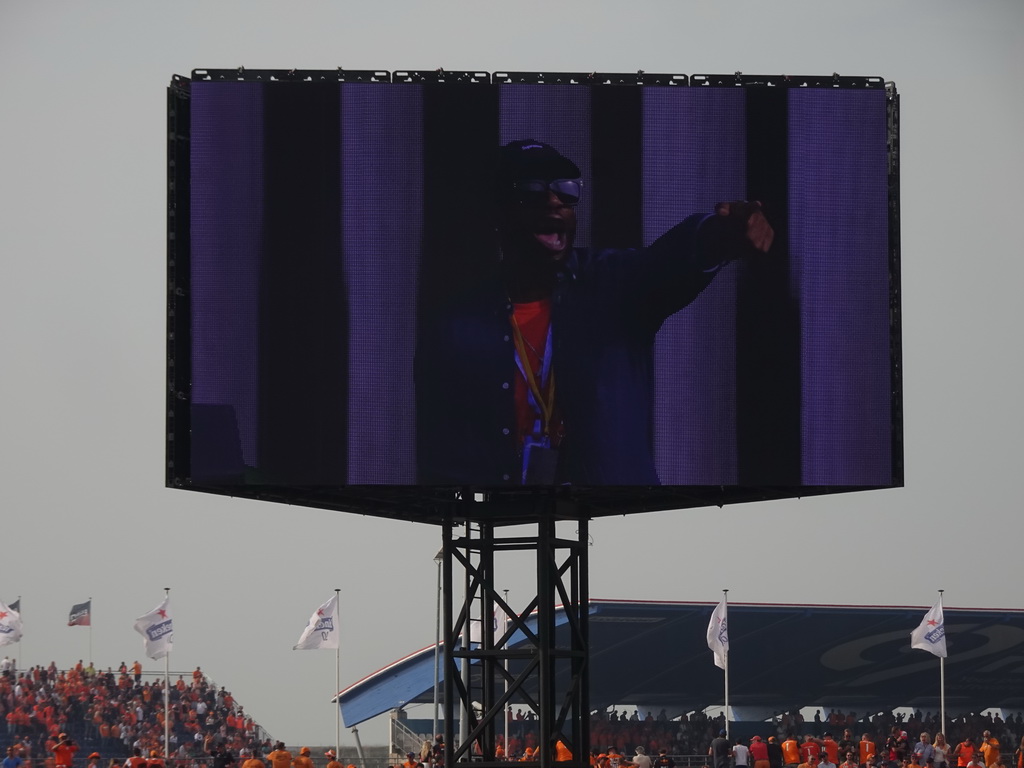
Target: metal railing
[[404, 739]]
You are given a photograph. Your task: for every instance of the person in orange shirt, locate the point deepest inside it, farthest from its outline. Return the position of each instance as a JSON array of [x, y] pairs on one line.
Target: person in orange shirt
[[303, 760], [64, 751], [252, 760], [964, 752], [867, 747], [811, 748], [791, 751], [136, 760], [562, 752], [280, 757], [412, 760], [831, 747], [990, 749], [155, 761]]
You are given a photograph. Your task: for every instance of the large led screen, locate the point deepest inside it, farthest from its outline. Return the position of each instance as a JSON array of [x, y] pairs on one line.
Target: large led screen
[[500, 284]]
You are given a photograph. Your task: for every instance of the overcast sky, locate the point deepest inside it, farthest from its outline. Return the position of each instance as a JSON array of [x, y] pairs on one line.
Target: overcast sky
[[82, 320]]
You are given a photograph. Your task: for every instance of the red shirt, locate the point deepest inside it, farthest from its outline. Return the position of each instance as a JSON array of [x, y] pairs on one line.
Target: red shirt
[[810, 749], [64, 753], [832, 750], [533, 319]]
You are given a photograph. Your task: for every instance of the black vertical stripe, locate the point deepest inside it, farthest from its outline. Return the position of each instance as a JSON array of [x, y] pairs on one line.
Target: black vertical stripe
[[768, 321], [616, 147], [303, 310], [179, 270], [460, 150]]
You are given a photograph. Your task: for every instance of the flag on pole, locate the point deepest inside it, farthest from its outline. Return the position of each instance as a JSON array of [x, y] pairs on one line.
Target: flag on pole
[[930, 634], [10, 625], [157, 630], [718, 635], [81, 614], [16, 606], [322, 630]]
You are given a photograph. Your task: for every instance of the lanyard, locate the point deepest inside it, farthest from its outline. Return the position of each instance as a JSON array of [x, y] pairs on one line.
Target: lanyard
[[543, 404]]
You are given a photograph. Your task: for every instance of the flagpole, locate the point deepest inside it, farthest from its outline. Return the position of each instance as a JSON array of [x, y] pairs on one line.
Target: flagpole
[[90, 630], [21, 645], [337, 680], [942, 679], [167, 690], [725, 601]]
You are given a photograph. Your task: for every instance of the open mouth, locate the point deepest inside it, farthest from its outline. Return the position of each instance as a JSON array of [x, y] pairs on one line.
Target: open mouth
[[552, 235]]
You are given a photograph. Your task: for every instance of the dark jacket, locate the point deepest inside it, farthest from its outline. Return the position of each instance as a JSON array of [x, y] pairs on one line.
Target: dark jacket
[[606, 309]]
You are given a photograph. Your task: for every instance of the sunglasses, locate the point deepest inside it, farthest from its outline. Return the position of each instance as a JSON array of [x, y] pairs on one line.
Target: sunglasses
[[535, 191]]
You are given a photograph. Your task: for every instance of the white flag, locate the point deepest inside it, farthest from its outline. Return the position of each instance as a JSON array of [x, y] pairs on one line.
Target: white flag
[[718, 635], [930, 634], [10, 625], [157, 630], [322, 630]]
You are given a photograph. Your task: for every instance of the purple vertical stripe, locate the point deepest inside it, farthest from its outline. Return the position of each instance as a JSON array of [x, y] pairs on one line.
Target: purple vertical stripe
[[558, 115], [694, 156], [227, 215], [382, 234], [839, 250]]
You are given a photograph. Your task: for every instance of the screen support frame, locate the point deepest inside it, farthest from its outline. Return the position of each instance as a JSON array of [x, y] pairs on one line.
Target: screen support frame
[[549, 676]]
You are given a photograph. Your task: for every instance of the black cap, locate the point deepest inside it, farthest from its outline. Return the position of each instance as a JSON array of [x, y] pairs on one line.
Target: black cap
[[531, 159]]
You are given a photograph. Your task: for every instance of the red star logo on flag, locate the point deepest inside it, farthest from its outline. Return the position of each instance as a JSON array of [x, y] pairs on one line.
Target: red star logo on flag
[[163, 613], [319, 611], [932, 622], [3, 614]]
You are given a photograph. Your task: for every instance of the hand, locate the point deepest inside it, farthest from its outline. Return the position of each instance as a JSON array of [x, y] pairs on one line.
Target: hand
[[738, 229], [750, 221]]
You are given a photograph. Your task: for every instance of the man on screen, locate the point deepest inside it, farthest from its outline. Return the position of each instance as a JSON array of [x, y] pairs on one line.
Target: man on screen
[[545, 375]]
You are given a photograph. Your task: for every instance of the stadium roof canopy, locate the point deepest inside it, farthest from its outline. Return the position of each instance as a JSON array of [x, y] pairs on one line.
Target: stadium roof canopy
[[854, 658]]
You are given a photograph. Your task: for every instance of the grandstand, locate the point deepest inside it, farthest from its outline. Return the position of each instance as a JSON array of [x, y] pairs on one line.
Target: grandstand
[[113, 712]]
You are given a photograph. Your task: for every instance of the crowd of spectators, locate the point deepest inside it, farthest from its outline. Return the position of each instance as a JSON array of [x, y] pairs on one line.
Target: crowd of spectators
[[880, 726], [692, 734], [118, 714], [115, 712]]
